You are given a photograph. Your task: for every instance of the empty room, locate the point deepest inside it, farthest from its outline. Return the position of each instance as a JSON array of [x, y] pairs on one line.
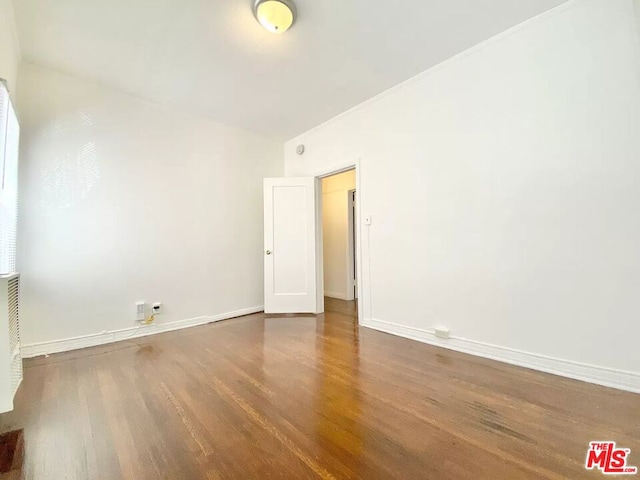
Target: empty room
[[300, 239]]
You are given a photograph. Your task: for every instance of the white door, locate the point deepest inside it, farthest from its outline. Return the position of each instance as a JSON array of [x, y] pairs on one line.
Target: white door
[[290, 275]]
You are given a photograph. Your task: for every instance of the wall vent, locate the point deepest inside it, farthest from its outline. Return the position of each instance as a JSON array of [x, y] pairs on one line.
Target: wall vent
[[10, 357]]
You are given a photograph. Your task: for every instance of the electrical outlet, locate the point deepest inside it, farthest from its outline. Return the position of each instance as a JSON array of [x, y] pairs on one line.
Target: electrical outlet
[[442, 332], [140, 311], [157, 308]]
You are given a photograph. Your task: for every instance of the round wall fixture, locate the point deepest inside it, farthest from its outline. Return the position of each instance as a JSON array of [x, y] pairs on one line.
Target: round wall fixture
[[275, 15]]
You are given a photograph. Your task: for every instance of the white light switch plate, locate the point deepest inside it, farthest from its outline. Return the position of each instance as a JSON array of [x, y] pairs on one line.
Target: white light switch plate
[[140, 311]]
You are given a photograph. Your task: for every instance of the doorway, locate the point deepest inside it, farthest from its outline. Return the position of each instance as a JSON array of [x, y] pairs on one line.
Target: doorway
[[294, 279], [339, 238]]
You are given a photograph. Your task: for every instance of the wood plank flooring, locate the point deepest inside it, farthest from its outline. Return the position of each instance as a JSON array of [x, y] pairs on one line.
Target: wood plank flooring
[[11, 455], [306, 397]]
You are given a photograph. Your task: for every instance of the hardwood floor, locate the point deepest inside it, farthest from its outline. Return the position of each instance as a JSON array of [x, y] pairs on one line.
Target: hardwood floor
[[11, 455], [261, 398]]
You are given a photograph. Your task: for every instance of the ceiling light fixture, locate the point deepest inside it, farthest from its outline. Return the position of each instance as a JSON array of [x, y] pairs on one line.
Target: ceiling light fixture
[[275, 15]]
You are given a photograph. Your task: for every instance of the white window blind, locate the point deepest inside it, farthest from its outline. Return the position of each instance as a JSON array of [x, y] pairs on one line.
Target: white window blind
[[9, 136]]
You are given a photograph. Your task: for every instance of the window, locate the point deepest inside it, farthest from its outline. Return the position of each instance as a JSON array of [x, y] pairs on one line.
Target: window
[[9, 135]]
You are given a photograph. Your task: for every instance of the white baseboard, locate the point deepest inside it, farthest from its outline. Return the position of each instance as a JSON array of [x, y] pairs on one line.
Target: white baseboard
[[608, 377], [56, 346], [339, 296]]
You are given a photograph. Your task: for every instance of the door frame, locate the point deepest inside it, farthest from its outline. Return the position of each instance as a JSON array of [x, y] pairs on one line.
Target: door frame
[[352, 236], [319, 175]]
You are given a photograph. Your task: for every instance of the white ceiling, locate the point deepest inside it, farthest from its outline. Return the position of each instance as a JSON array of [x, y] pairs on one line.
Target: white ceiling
[[211, 58]]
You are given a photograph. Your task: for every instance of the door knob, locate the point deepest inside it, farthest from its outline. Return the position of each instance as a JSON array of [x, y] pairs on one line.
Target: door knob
[[268, 252]]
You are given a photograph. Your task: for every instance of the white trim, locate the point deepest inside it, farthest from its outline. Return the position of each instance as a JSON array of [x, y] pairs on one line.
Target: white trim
[[351, 245], [608, 377], [339, 296], [319, 247], [64, 345]]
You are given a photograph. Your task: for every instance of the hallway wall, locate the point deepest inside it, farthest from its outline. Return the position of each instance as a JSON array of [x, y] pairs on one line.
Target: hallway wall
[[335, 230]]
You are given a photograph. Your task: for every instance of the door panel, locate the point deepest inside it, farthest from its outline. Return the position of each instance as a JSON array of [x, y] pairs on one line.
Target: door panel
[[289, 244]]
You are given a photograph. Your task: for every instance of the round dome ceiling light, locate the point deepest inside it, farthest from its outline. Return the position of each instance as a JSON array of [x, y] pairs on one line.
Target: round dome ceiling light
[[275, 15]]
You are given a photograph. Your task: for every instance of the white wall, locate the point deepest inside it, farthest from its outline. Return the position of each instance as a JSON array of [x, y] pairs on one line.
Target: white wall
[[335, 234], [9, 48], [636, 4], [504, 186], [123, 200]]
